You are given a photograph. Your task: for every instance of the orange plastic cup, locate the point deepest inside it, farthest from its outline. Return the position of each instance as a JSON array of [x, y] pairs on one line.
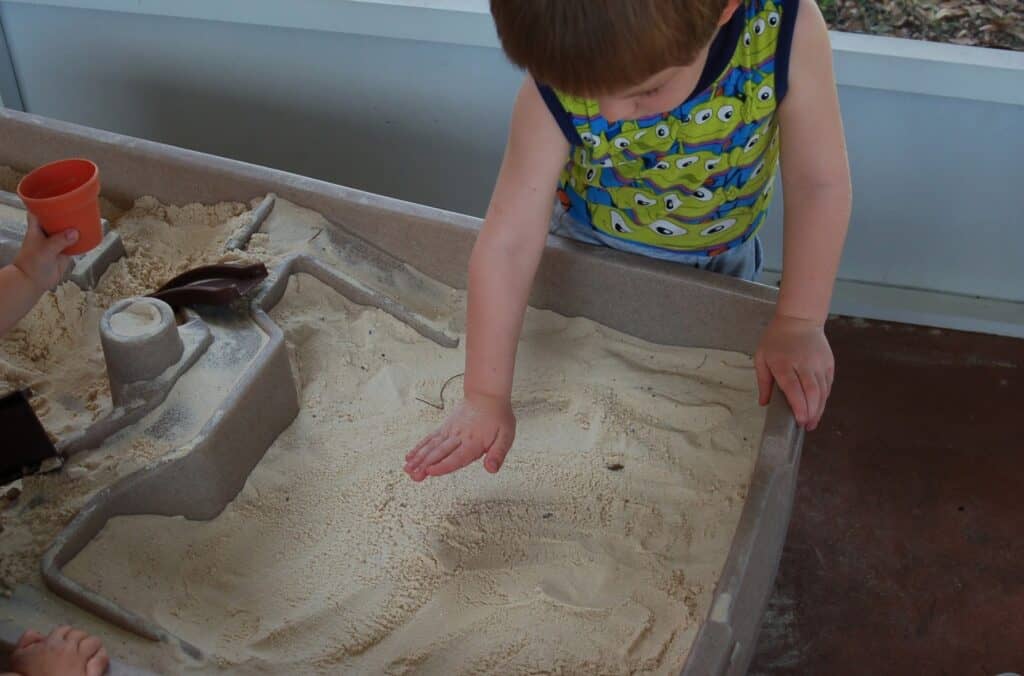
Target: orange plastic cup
[[65, 195]]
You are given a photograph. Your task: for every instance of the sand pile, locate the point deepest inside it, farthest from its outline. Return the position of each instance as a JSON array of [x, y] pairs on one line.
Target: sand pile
[[55, 349]]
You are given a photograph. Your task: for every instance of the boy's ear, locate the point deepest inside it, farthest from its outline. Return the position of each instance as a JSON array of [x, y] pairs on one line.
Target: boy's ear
[[729, 10]]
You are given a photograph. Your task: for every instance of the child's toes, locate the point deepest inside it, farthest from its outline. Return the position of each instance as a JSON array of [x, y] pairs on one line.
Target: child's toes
[[90, 646], [97, 664], [59, 635], [28, 638]]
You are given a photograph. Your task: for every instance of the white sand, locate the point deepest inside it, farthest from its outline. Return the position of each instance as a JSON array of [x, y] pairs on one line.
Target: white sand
[[136, 319], [595, 550]]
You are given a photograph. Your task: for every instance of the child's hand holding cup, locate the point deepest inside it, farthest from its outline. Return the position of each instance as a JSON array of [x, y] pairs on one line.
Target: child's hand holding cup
[[62, 196]]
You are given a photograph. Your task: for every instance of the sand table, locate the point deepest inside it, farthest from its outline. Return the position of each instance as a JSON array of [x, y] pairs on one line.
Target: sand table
[[595, 550]]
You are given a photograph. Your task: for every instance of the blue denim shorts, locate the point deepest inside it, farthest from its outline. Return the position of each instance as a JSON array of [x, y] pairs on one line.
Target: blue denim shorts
[[742, 262]]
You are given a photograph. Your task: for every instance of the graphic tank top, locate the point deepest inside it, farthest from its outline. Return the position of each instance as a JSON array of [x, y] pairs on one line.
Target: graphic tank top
[[699, 178]]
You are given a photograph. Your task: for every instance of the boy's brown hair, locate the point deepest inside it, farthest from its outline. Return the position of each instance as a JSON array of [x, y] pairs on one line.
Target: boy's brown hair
[[591, 47]]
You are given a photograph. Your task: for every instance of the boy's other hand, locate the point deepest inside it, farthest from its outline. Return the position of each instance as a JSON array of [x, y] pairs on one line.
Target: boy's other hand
[[795, 354], [479, 425], [40, 258]]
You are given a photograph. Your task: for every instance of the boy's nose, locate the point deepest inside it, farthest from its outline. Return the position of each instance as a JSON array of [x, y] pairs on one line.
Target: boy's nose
[[614, 110]]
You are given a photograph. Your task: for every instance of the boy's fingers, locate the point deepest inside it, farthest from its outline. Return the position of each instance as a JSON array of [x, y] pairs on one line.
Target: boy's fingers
[[464, 456], [764, 380], [416, 474], [423, 442], [426, 449], [497, 452], [29, 637], [812, 395], [97, 664], [34, 232], [823, 385], [60, 241], [789, 383], [411, 465], [439, 452], [423, 471], [814, 413]]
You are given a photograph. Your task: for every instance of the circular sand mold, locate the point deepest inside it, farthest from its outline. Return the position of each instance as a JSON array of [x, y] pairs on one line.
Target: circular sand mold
[[137, 318], [140, 341]]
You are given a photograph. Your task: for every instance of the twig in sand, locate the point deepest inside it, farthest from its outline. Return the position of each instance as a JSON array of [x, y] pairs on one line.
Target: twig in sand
[[440, 407]]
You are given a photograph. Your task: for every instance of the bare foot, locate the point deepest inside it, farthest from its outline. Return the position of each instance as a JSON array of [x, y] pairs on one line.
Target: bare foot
[[65, 652]]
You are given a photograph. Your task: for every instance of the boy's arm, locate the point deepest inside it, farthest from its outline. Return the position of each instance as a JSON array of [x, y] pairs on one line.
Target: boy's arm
[[510, 244], [501, 271], [37, 268], [816, 182]]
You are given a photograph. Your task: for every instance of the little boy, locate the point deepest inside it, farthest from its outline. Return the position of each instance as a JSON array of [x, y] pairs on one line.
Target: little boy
[[38, 267], [659, 125]]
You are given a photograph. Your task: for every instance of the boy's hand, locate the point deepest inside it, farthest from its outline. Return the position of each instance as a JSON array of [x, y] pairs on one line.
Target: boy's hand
[[40, 258], [795, 354], [480, 425]]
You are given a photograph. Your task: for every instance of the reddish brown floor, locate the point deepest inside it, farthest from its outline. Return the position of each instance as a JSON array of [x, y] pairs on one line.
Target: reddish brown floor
[[905, 554]]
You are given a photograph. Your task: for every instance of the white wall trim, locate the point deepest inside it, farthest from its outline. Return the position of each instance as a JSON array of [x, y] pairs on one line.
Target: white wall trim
[[465, 22], [885, 63], [923, 308], [914, 66]]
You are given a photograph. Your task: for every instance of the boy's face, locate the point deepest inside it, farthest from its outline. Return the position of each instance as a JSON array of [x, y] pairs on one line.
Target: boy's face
[[664, 90], [658, 94]]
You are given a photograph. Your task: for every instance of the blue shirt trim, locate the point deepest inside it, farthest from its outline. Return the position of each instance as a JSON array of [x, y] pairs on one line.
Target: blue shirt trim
[[784, 46], [560, 114]]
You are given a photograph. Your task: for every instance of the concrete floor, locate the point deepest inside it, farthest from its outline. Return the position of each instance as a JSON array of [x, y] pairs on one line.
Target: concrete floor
[[905, 554]]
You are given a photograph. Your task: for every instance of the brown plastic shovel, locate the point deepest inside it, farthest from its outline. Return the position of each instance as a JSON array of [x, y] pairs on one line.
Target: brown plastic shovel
[[220, 284]]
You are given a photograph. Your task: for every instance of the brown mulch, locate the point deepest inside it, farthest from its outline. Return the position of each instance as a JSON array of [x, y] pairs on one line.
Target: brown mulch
[[982, 23]]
